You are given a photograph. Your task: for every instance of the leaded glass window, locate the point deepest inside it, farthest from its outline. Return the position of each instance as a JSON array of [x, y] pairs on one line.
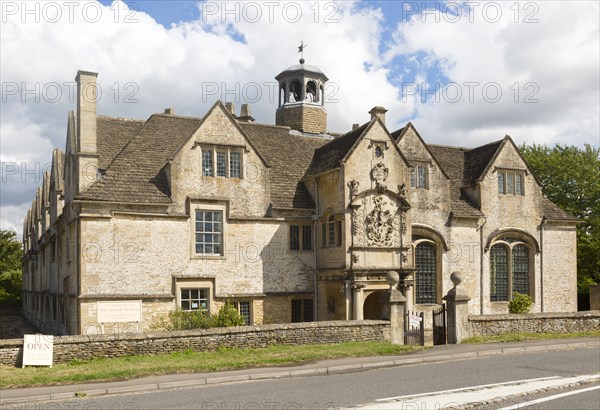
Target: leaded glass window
[[294, 237], [425, 262], [499, 273], [307, 237], [518, 184], [500, 183], [331, 231], [520, 267], [235, 165], [221, 164], [207, 163], [510, 181]]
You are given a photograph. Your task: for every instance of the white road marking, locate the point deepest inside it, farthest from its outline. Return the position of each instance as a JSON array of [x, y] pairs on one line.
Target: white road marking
[[475, 394], [549, 398]]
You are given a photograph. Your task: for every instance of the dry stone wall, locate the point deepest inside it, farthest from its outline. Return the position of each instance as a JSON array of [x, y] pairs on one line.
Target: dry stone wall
[[492, 325], [68, 348]]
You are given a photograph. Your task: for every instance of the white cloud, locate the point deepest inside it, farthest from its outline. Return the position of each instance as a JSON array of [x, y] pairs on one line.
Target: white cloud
[[553, 63], [144, 67]]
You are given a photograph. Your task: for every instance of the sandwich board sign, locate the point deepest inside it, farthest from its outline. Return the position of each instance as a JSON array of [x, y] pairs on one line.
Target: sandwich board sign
[[37, 350]]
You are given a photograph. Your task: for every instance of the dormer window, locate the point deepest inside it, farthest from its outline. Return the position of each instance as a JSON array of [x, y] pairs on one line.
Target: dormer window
[[511, 182], [227, 162]]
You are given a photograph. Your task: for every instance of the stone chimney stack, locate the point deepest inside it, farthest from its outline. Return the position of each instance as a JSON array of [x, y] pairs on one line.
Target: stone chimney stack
[[379, 112], [355, 126], [169, 111], [246, 114], [229, 106], [87, 141]]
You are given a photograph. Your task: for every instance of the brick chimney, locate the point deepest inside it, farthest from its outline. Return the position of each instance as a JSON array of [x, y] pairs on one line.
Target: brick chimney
[[379, 112], [87, 140]]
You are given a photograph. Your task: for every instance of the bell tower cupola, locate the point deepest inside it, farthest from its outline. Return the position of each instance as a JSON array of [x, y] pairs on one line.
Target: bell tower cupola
[[302, 97]]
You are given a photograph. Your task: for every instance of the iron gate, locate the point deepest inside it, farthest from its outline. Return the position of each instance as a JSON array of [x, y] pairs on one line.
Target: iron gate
[[439, 325], [414, 329]]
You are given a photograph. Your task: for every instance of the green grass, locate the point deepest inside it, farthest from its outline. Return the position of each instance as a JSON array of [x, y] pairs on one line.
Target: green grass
[[521, 336], [121, 368]]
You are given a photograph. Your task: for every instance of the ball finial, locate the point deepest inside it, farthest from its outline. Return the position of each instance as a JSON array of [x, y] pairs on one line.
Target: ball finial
[[456, 278], [301, 61], [392, 278]]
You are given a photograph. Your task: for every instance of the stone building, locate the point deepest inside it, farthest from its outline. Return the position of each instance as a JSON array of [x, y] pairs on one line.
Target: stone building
[[137, 218]]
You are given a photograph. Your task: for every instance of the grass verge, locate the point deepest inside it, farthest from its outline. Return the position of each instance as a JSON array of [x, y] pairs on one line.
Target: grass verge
[[522, 336], [122, 368]]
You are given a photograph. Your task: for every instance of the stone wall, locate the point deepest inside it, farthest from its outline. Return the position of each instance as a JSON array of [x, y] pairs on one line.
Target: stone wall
[[491, 325], [67, 348]]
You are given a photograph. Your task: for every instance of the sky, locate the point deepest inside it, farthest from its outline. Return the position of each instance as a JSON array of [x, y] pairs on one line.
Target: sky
[[464, 73]]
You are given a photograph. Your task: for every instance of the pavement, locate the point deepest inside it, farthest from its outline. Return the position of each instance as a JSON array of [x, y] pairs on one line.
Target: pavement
[[435, 354]]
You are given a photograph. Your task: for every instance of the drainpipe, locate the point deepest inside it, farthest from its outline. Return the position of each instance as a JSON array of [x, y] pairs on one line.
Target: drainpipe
[[481, 223], [542, 225], [315, 253]]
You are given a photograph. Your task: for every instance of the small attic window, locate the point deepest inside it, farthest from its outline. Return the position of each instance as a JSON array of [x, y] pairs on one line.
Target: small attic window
[[378, 152]]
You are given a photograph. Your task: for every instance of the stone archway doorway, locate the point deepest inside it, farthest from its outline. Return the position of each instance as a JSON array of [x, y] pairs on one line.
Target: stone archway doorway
[[375, 306]]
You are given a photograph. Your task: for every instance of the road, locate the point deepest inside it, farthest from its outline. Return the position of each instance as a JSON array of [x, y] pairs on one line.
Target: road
[[378, 388]]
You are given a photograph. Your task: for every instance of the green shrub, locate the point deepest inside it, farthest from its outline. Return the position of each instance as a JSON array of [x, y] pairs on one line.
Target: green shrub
[[520, 303], [200, 319]]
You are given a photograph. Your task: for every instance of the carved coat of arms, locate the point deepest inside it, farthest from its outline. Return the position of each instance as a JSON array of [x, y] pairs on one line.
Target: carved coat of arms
[[379, 173], [380, 224]]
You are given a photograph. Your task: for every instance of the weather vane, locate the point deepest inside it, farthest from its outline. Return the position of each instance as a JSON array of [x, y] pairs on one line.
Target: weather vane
[[301, 51]]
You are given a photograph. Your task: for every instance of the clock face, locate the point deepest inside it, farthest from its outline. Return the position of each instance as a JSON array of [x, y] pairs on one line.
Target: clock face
[[378, 152]]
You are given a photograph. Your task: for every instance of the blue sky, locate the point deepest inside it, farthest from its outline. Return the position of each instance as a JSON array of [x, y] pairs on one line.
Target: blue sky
[[464, 75]]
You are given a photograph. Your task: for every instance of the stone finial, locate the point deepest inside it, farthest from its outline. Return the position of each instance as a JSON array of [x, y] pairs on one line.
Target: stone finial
[[457, 293], [456, 278], [392, 278]]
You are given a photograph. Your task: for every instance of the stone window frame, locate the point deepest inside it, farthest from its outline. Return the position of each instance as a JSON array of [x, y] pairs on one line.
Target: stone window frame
[[301, 245], [214, 207], [510, 241], [227, 166], [416, 180], [505, 175], [195, 283]]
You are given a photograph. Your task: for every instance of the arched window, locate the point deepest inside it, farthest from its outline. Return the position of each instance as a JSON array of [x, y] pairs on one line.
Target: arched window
[[426, 265], [510, 264], [499, 273]]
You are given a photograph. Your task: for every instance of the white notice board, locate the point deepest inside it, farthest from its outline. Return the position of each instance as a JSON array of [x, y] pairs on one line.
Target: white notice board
[[120, 311], [37, 350]]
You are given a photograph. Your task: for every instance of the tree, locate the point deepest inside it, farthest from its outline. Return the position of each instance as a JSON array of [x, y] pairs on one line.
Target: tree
[[570, 177], [11, 255]]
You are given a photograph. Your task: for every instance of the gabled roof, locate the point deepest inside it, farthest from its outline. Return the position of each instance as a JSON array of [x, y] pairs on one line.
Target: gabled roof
[[452, 161], [289, 157], [329, 156], [134, 175], [399, 134]]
